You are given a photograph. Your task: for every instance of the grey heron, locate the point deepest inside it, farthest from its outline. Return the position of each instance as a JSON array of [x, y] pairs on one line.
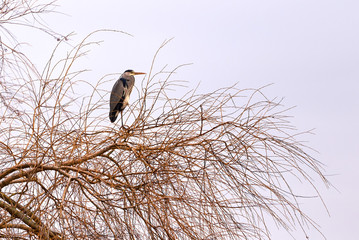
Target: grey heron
[[120, 94]]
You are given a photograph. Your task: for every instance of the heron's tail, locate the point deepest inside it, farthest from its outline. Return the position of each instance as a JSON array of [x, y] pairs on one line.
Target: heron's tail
[[113, 116]]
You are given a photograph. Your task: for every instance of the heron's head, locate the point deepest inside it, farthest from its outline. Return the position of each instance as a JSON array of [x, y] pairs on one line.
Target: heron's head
[[131, 73]]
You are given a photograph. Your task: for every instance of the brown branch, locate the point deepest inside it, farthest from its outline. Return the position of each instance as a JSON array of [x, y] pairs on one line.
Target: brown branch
[[25, 215]]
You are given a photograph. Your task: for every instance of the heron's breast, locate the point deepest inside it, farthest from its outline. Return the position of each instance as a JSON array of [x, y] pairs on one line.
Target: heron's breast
[[126, 100]]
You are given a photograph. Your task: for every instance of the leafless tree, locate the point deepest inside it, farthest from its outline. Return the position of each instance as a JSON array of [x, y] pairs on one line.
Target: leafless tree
[[205, 166]]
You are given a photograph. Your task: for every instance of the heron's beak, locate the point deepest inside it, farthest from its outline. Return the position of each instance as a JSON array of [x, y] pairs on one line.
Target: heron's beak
[[138, 73]]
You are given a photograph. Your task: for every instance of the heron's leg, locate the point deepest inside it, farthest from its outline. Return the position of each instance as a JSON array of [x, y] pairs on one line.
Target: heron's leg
[[121, 119]]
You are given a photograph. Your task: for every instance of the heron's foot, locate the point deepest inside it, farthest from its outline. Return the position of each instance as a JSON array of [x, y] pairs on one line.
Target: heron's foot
[[125, 127], [128, 130]]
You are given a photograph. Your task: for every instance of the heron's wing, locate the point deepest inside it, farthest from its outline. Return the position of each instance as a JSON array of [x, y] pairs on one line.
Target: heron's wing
[[116, 99], [117, 94]]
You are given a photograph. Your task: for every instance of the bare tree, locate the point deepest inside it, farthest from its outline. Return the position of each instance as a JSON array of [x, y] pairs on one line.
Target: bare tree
[[205, 166]]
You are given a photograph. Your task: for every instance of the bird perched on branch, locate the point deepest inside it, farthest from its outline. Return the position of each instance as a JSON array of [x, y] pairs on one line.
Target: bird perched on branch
[[120, 94]]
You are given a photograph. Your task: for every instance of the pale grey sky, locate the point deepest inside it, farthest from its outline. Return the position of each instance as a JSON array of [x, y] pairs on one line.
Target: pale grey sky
[[308, 49]]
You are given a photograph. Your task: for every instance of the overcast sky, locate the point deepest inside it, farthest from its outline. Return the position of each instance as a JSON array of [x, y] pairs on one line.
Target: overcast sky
[[308, 49]]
